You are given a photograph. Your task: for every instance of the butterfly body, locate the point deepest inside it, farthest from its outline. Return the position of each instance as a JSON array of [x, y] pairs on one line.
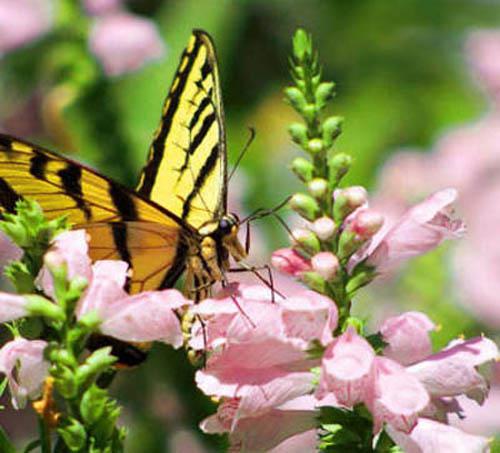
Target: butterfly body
[[177, 217]]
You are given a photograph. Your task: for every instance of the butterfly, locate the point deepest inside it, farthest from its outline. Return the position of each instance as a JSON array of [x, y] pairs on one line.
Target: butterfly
[[176, 219]]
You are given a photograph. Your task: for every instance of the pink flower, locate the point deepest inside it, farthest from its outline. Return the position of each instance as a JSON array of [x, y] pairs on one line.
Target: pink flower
[[8, 251], [147, 316], [430, 436], [98, 7], [22, 21], [346, 368], [262, 432], [395, 396], [365, 223], [23, 363], [419, 230], [483, 48], [12, 307], [453, 371], [290, 261], [407, 336], [124, 42]]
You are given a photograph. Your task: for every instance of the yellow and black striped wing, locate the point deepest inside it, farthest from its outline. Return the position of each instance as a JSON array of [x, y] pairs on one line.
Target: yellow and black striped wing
[[121, 224], [186, 169]]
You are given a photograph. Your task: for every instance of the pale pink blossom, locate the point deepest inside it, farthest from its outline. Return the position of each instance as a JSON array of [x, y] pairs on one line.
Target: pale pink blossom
[[8, 251], [326, 264], [12, 307], [290, 261], [354, 196], [407, 336], [365, 223], [125, 42], [430, 436], [483, 48], [395, 397], [453, 371], [22, 21], [99, 7], [419, 230], [346, 368], [23, 364], [324, 228]]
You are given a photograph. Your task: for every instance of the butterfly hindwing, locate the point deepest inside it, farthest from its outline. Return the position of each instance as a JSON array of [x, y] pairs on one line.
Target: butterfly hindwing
[[186, 170]]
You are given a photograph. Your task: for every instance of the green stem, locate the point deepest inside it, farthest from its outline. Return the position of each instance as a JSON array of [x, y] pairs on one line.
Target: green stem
[[44, 436]]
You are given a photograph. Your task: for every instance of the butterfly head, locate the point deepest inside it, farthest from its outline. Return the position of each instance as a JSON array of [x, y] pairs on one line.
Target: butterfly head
[[227, 230]]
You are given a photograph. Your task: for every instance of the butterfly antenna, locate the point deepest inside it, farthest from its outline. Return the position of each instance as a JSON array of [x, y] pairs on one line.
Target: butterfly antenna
[[247, 145], [259, 213]]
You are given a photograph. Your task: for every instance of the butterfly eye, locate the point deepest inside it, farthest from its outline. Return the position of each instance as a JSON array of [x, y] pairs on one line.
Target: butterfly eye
[[225, 226]]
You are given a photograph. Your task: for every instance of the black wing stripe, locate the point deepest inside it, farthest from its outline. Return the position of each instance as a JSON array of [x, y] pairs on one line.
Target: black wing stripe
[[71, 179], [177, 267], [38, 165], [201, 107], [8, 196], [158, 146], [206, 170], [123, 202]]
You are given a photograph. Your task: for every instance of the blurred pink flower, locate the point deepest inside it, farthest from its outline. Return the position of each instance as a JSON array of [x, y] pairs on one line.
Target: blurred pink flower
[[290, 261], [23, 364], [346, 369], [124, 42], [420, 229], [430, 436], [8, 250], [483, 48], [395, 397], [22, 21], [12, 307], [407, 336], [98, 7]]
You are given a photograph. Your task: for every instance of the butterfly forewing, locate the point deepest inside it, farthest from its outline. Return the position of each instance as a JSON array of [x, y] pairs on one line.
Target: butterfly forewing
[[186, 170]]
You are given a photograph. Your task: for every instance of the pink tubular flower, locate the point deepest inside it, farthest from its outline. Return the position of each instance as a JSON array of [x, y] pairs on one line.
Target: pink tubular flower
[[396, 396], [429, 436], [124, 42], [453, 371], [23, 363], [12, 307], [258, 349], [8, 250], [22, 21], [407, 336], [346, 368], [290, 261], [419, 230], [98, 7]]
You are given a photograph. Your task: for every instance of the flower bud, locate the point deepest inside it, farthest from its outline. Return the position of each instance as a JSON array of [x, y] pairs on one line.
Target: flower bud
[[314, 281], [289, 261], [39, 306], [331, 127], [324, 93], [296, 98], [349, 242], [367, 223], [315, 146], [326, 264], [306, 240], [298, 132], [302, 45], [309, 112], [324, 227], [73, 433], [303, 169], [305, 206], [318, 187], [338, 166], [347, 201]]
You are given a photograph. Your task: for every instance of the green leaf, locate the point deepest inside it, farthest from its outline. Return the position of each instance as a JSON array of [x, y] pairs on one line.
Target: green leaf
[[6, 445], [32, 445], [93, 404], [386, 445], [495, 445]]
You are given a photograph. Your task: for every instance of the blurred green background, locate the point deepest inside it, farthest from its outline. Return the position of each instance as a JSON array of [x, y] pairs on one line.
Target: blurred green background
[[401, 80]]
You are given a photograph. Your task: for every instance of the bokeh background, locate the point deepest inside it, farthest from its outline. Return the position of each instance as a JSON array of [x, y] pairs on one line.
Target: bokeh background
[[418, 84]]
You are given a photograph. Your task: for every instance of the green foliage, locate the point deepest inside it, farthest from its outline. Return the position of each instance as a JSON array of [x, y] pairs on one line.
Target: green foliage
[[5, 444]]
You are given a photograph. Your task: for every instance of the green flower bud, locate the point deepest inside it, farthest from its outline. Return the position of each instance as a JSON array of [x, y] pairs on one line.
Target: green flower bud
[[99, 361], [303, 169], [347, 201], [305, 206], [357, 323], [324, 93], [73, 434], [296, 98], [349, 242], [338, 166], [65, 381], [318, 187], [331, 129], [93, 404], [306, 241], [315, 146], [302, 45], [39, 306], [62, 357], [298, 132], [314, 281], [362, 276], [309, 111]]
